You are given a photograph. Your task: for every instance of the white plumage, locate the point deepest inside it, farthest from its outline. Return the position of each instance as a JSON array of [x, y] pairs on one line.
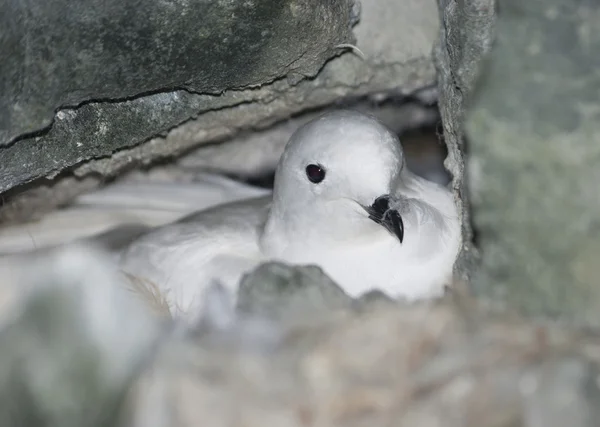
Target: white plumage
[[151, 203], [323, 223]]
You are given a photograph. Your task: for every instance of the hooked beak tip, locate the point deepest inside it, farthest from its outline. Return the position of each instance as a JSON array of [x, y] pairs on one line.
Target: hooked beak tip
[[390, 219]]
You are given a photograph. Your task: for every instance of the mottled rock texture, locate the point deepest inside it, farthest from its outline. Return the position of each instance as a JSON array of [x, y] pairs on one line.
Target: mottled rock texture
[[77, 350], [180, 54], [466, 35], [278, 291], [420, 366], [534, 133], [299, 39]]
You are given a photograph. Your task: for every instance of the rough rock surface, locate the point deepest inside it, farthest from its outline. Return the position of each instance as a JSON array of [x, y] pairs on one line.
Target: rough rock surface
[[278, 291], [68, 361], [388, 68], [93, 132], [424, 366], [164, 61], [534, 132], [466, 35], [250, 155]]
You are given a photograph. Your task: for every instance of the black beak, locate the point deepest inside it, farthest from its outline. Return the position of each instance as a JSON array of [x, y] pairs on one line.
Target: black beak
[[381, 213]]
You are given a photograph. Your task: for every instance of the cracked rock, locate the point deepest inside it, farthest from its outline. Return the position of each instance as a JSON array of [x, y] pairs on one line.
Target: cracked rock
[[159, 64]]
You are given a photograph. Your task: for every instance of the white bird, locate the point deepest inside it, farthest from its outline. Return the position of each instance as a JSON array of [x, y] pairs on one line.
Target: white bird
[[343, 200], [122, 205]]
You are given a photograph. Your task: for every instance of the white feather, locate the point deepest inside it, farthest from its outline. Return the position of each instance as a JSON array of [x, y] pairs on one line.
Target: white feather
[[321, 224], [142, 203]]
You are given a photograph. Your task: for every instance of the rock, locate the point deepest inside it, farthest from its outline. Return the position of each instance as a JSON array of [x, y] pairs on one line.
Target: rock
[[466, 34], [118, 50], [164, 62], [156, 126], [281, 291], [374, 298], [534, 132], [77, 350], [389, 68], [419, 365], [71, 338]]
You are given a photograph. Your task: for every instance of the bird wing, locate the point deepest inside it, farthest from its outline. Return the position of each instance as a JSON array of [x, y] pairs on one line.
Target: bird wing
[[429, 214], [185, 257], [206, 190], [124, 204]]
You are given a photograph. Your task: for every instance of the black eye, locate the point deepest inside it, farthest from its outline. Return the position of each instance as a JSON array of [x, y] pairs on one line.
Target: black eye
[[315, 173]]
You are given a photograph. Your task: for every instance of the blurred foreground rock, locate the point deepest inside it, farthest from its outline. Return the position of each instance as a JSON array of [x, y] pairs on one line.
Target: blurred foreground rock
[[71, 340], [534, 132], [439, 364], [419, 366], [278, 291]]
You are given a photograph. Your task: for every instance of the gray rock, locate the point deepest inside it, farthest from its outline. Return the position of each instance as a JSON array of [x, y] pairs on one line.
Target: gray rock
[[389, 67], [374, 296], [281, 291], [76, 350], [375, 300], [422, 366], [72, 340], [161, 60], [534, 132], [466, 34], [122, 128], [63, 55]]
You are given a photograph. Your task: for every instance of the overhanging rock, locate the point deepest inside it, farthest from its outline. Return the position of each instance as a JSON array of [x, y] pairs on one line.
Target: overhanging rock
[[159, 63], [102, 138]]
